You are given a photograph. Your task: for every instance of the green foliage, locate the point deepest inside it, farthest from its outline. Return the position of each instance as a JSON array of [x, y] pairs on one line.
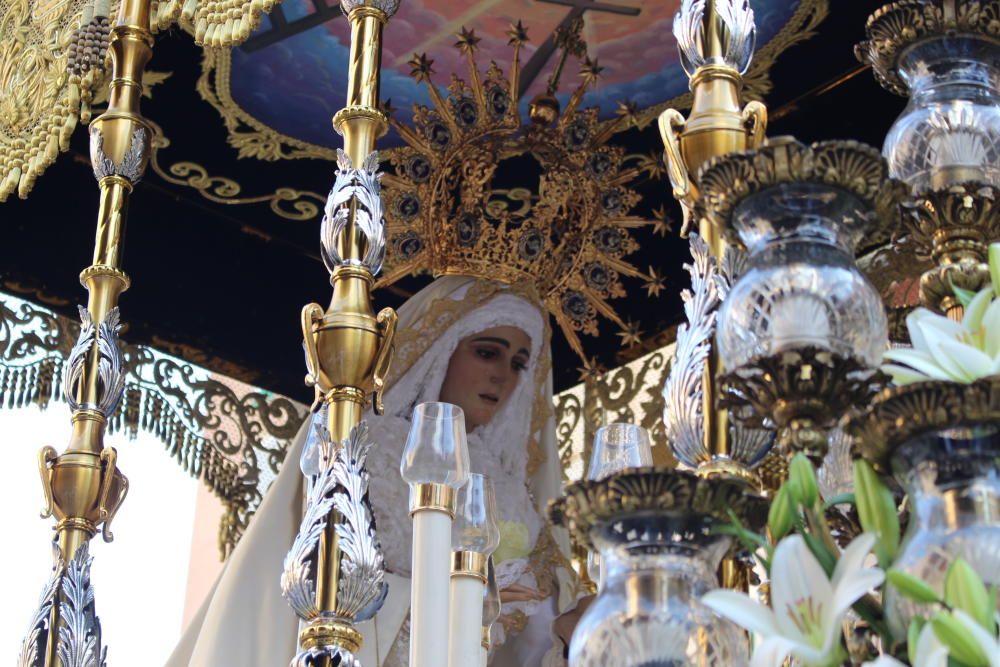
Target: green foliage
[[877, 511]]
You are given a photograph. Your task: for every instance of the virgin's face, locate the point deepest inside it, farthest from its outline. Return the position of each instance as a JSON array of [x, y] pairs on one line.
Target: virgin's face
[[483, 372]]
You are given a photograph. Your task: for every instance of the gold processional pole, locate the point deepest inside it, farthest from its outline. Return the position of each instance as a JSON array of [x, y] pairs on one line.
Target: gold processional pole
[[716, 44], [348, 349], [83, 486]]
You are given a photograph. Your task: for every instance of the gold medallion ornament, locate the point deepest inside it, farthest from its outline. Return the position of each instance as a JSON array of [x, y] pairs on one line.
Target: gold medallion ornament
[[565, 231]]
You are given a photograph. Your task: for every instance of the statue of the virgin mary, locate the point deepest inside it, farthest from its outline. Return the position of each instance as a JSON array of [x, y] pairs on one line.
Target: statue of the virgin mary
[[485, 347]]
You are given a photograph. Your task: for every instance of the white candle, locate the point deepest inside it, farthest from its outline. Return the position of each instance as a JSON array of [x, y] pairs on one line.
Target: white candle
[[429, 588], [466, 620]]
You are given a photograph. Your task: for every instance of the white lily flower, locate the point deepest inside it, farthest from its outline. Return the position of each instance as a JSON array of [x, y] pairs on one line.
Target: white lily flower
[[808, 608], [929, 652], [947, 350]]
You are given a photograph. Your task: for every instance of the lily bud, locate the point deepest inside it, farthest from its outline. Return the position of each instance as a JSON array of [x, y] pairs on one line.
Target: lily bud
[[781, 515], [802, 478], [963, 589], [877, 511], [994, 255], [962, 645], [913, 588]]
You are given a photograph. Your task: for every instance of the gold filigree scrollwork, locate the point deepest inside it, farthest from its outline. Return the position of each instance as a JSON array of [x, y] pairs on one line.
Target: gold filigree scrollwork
[[218, 431], [305, 205], [631, 393]]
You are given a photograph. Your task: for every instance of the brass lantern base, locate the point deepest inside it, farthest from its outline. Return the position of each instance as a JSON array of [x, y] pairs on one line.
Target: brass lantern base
[[803, 392], [588, 504], [898, 414]]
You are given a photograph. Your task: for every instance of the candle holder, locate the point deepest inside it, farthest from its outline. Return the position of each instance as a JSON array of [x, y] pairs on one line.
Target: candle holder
[[655, 530], [941, 441], [435, 463], [802, 331], [474, 537]]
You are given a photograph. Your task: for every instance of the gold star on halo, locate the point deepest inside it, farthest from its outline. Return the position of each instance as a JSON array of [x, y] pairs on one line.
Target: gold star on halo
[[664, 222], [630, 335], [654, 284], [517, 33], [420, 67], [589, 71], [653, 165], [467, 41], [628, 111]]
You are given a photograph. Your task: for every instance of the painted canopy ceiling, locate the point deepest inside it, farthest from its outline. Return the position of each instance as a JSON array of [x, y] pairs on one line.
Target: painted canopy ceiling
[[289, 78]]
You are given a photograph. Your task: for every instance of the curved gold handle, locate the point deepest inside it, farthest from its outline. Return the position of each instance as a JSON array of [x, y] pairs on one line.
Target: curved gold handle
[[109, 463], [755, 120], [386, 320], [310, 314], [109, 513], [671, 124], [46, 455]]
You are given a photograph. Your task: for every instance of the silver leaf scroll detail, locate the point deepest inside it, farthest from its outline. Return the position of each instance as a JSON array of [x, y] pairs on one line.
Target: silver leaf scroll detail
[[363, 185], [297, 586], [388, 7], [132, 164], [735, 26], [683, 414], [323, 655], [362, 579], [341, 484], [33, 645], [79, 629], [111, 364]]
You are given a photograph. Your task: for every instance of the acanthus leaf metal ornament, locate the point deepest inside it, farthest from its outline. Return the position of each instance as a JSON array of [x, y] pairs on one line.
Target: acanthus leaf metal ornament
[[111, 363], [296, 586], [33, 645], [132, 163], [684, 391], [360, 185], [696, 18], [683, 414], [79, 628], [362, 584]]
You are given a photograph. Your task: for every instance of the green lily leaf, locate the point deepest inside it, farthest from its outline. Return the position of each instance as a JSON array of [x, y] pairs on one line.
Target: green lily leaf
[[877, 511]]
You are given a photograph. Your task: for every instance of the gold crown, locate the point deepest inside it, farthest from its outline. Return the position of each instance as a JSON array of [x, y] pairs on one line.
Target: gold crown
[[567, 233]]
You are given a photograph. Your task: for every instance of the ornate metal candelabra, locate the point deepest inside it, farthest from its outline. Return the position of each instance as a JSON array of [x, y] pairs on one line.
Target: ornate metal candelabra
[[83, 486], [333, 575], [716, 40]]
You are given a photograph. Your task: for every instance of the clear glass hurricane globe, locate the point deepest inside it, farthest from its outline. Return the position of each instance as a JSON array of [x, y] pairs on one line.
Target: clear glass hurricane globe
[[801, 287], [949, 131]]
